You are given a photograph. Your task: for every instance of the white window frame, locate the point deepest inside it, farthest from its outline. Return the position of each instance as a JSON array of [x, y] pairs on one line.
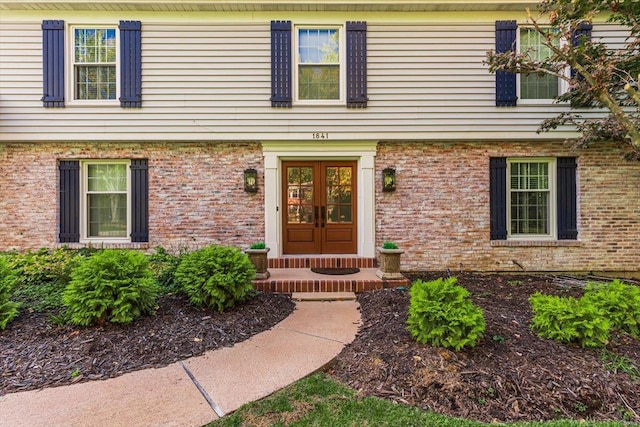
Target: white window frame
[[552, 207], [70, 65], [342, 75], [563, 86], [84, 202]]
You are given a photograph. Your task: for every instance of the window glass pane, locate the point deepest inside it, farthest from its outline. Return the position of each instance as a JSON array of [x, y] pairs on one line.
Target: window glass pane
[[318, 46], [319, 82], [107, 177], [95, 63], [530, 192], [534, 86], [107, 215]]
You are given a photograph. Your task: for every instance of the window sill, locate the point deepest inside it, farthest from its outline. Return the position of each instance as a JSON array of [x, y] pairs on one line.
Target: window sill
[[536, 243], [106, 245]]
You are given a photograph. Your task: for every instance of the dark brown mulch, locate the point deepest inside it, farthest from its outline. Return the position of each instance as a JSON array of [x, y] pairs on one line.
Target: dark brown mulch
[[36, 353], [511, 375]]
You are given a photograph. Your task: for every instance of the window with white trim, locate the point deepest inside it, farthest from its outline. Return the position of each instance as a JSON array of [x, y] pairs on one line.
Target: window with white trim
[[537, 86], [105, 200], [531, 196], [319, 73], [94, 63]]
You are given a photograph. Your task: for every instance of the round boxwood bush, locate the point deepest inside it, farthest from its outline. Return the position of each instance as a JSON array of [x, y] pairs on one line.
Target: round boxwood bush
[[216, 277], [442, 314], [111, 286], [8, 309]]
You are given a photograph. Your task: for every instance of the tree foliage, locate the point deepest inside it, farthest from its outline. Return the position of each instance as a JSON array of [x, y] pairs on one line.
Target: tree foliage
[[602, 77]]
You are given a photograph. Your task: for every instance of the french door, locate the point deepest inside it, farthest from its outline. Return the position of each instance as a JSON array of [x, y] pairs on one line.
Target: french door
[[319, 207]]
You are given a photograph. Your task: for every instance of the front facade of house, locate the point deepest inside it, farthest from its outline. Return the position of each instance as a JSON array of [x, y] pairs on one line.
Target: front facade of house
[[131, 124]]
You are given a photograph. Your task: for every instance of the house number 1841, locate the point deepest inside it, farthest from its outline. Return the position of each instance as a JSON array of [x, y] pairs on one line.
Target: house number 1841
[[320, 135]]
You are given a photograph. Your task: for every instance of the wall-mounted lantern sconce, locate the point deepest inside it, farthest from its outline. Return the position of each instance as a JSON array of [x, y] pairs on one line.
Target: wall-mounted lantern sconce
[[389, 179], [251, 180]]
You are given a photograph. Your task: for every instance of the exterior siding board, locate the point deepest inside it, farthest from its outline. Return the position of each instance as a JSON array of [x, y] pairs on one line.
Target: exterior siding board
[[212, 80]]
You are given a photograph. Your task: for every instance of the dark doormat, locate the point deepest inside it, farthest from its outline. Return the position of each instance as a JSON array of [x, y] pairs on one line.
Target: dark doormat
[[335, 271]]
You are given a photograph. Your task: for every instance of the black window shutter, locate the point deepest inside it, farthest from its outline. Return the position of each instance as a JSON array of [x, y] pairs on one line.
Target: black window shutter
[[357, 65], [583, 30], [53, 63], [498, 197], [506, 81], [567, 199], [281, 64], [130, 64], [69, 220], [139, 200]]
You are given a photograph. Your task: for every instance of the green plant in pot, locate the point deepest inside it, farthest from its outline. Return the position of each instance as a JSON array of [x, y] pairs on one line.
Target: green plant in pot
[[257, 254], [389, 268]]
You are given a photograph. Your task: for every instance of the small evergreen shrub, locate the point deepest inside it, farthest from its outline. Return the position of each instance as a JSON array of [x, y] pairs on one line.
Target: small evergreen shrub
[[216, 277], [164, 265], [442, 314], [389, 245], [258, 245], [8, 309], [569, 319], [619, 302], [111, 286]]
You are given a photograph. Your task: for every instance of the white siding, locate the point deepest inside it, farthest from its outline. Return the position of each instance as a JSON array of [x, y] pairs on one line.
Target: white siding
[[211, 81]]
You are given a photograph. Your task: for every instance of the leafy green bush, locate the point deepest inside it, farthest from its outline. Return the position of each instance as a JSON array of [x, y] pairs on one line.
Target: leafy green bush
[[389, 245], [619, 302], [217, 277], [164, 265], [41, 277], [569, 319], [258, 245], [8, 309], [111, 286], [441, 313]]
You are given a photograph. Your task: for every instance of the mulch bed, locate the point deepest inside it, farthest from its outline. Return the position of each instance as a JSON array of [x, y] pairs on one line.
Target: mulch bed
[[511, 375], [36, 353]]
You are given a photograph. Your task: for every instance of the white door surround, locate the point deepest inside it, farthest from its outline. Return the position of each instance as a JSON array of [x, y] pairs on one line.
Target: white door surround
[[364, 152]]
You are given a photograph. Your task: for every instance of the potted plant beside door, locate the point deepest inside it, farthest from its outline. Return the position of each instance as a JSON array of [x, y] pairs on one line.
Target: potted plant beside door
[[257, 254], [389, 262]]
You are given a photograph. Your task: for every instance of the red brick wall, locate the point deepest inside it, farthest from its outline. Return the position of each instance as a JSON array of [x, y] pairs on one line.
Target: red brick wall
[[439, 213], [196, 193]]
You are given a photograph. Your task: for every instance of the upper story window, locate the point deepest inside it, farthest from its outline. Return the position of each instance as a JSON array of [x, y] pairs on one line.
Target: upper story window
[[318, 64], [94, 64], [536, 86]]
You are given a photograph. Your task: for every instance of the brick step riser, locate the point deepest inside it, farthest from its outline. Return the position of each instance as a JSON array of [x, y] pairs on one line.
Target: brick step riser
[[346, 262], [288, 286]]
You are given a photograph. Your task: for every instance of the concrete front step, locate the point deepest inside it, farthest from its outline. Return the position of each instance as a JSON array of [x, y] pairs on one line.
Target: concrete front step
[[289, 280]]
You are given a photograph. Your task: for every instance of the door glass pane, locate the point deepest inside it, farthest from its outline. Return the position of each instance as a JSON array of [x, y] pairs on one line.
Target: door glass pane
[[300, 195], [338, 192]]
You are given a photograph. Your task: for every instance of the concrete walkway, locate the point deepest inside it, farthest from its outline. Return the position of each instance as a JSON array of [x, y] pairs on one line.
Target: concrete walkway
[[201, 389]]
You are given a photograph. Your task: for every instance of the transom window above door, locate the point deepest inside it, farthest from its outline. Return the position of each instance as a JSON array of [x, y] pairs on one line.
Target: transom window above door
[[318, 64]]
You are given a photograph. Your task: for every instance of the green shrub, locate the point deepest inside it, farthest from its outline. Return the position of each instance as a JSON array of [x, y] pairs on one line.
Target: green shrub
[[164, 265], [258, 245], [441, 313], [42, 276], [111, 286], [8, 309], [217, 277], [568, 319], [389, 245], [619, 302]]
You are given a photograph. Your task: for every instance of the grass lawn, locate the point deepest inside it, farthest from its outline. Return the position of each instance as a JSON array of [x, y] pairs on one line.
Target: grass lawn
[[320, 401]]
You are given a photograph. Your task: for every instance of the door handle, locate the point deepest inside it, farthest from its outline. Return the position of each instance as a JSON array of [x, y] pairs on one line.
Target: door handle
[[324, 214], [315, 214]]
